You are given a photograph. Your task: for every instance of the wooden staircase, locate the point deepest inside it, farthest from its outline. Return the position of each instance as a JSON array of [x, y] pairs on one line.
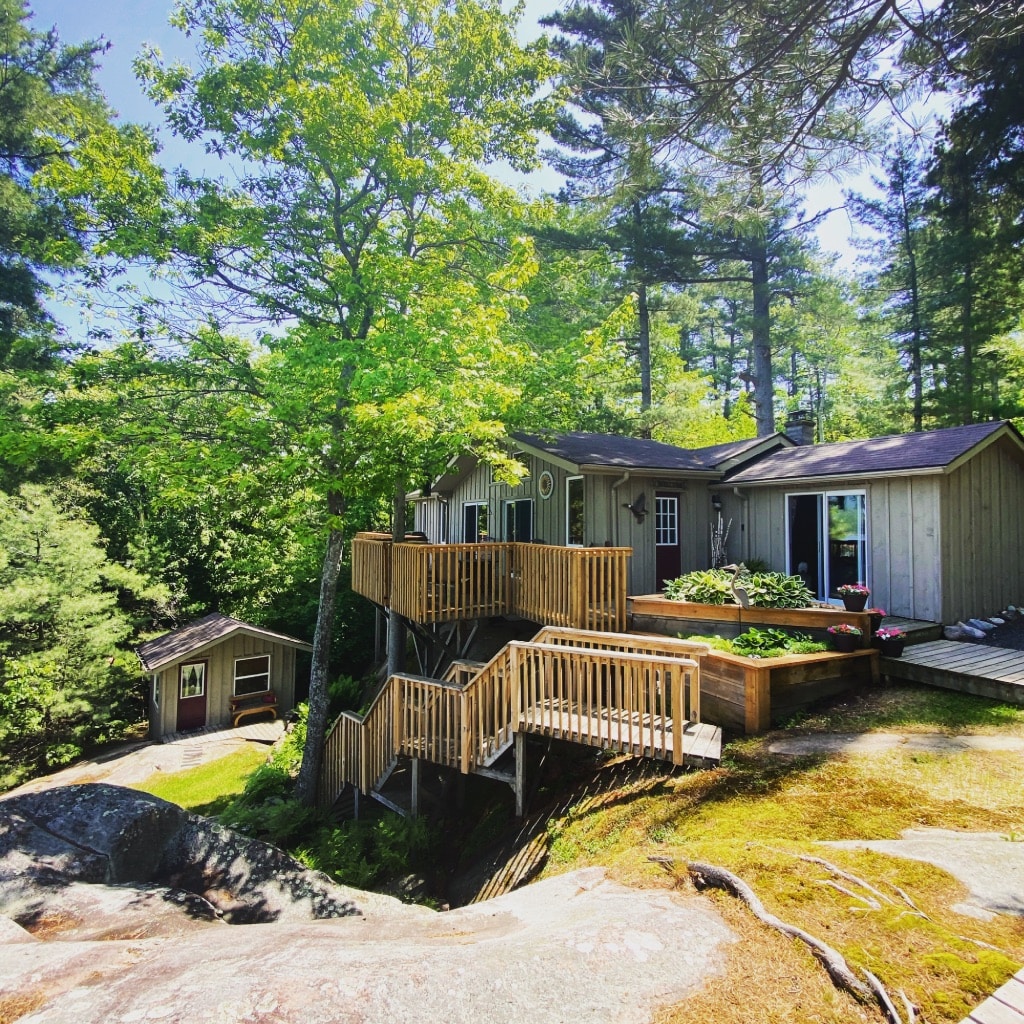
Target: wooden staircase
[[635, 694]]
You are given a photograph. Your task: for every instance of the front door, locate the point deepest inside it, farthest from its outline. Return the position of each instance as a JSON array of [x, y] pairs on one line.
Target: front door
[[667, 559], [192, 696]]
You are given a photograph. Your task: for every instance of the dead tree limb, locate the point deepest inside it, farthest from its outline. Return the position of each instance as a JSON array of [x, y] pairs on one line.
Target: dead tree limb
[[711, 876]]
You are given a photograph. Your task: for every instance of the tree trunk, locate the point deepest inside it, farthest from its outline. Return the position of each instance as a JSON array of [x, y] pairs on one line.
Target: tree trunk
[[396, 624], [316, 723], [764, 390], [644, 349]]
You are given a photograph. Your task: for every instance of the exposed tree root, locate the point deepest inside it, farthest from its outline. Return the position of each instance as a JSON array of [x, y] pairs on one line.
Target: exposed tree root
[[840, 873], [883, 998], [709, 875]]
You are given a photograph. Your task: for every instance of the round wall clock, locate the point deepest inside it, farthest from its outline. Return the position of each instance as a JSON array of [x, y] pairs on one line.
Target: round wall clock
[[546, 484]]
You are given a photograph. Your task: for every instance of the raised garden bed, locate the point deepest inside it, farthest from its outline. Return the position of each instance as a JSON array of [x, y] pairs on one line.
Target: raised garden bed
[[750, 695], [655, 613]]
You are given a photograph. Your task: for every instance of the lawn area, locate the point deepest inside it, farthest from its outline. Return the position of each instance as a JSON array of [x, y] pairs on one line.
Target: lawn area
[[759, 815], [208, 788]]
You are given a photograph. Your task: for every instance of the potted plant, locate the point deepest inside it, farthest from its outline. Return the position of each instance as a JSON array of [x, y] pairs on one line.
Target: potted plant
[[890, 642], [844, 637], [854, 595]]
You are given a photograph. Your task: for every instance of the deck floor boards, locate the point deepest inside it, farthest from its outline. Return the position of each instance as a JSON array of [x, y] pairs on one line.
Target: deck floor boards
[[994, 672]]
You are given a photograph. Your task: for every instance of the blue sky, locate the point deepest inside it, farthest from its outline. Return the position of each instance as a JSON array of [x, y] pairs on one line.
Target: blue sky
[[129, 24]]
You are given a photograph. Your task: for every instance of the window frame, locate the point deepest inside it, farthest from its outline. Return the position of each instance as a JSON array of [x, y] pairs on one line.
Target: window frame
[[825, 575], [252, 675], [466, 505], [204, 665], [513, 535]]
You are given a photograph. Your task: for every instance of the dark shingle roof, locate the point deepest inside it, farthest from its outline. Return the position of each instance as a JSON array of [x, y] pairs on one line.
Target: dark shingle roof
[[613, 451], [199, 634], [933, 449]]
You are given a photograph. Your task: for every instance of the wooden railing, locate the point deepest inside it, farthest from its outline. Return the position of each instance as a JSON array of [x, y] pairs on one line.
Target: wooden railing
[[583, 588], [632, 693], [632, 702]]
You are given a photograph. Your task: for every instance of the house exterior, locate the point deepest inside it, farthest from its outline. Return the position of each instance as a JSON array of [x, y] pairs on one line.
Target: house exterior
[[931, 521], [195, 671], [592, 490]]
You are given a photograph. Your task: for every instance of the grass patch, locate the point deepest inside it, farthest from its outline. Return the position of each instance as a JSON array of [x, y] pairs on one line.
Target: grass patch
[[758, 814], [915, 709], [208, 788]]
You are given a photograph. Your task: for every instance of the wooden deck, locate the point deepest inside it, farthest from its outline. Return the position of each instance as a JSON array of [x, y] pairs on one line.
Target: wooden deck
[[994, 672], [583, 588], [1005, 1006], [638, 695]]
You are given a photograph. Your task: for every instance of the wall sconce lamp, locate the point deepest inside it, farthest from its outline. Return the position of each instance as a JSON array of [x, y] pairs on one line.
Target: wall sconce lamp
[[716, 501]]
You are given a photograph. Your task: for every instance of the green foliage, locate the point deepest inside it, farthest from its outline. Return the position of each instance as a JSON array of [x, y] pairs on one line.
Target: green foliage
[[765, 589], [763, 643], [67, 679], [777, 590], [704, 586]]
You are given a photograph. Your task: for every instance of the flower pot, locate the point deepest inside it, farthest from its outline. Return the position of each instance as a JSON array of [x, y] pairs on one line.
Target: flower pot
[[845, 643], [855, 602], [891, 648]]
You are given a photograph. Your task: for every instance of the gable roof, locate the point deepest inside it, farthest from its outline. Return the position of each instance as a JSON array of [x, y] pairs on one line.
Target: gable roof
[[201, 634], [580, 450], [928, 451]]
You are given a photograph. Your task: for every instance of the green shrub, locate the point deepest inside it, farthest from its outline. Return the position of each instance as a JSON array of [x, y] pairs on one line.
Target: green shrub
[[763, 643], [705, 586], [765, 589]]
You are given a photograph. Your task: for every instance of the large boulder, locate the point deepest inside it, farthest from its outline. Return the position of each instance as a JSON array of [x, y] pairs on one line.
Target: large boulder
[[77, 854]]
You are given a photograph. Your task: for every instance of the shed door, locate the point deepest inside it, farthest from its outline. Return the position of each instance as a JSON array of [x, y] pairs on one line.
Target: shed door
[[192, 696], [667, 558]]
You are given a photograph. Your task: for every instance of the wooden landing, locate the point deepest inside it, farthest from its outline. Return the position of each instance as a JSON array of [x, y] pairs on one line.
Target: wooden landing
[[994, 672], [629, 734]]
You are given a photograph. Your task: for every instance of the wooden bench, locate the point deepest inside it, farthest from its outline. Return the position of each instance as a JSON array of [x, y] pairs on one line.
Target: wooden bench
[[253, 704]]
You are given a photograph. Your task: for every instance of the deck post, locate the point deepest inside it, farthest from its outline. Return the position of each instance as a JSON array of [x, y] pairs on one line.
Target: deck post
[[414, 810], [678, 698], [758, 712], [520, 774]]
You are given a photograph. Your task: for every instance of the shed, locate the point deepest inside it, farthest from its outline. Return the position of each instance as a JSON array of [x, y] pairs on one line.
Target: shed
[[196, 670], [932, 522]]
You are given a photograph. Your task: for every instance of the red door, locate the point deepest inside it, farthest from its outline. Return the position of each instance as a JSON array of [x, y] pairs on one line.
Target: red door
[[192, 696], [667, 558]]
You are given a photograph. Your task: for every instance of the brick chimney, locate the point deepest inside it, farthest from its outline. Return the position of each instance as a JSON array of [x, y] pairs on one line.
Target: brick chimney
[[799, 427]]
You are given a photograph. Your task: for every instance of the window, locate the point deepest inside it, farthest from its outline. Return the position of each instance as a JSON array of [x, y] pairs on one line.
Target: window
[[252, 675], [193, 679], [519, 519], [827, 540], [156, 688], [666, 521], [474, 521], [575, 521]]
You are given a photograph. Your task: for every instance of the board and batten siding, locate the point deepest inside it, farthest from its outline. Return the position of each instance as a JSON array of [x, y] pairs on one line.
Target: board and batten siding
[[608, 520], [220, 680], [904, 533], [983, 533]]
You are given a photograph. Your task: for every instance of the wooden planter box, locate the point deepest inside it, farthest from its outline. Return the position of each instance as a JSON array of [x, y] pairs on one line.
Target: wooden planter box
[[750, 695], [655, 613]]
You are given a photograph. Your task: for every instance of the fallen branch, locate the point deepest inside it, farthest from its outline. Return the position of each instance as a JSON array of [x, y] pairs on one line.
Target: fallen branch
[[910, 903], [708, 875]]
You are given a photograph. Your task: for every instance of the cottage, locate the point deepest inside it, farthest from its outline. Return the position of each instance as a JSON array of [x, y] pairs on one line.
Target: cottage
[[214, 670], [592, 490], [930, 521]]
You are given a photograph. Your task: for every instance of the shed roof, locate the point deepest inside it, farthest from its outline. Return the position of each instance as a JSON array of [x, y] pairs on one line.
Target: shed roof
[[933, 450], [612, 451], [203, 633]]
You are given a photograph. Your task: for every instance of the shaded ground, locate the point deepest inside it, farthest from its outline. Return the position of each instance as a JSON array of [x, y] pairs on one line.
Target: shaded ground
[[1009, 635]]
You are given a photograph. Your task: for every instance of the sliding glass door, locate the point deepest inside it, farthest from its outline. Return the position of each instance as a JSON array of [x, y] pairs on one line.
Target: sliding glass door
[[827, 540]]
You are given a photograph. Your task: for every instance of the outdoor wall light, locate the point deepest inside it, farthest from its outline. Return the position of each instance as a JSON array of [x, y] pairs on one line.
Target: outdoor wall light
[[716, 502]]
